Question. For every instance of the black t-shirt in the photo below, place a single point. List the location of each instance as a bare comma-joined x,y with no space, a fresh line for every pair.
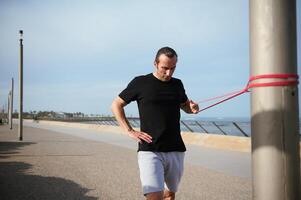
159,109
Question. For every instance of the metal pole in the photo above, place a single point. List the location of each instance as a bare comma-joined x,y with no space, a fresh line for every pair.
186,126
11,103
221,130
8,106
202,127
275,114
21,88
240,129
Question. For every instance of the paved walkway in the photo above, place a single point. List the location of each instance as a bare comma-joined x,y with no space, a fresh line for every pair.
64,163
228,162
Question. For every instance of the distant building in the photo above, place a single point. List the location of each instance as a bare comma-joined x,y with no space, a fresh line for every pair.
78,115
60,115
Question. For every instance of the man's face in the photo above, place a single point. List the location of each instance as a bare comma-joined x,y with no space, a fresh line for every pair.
165,67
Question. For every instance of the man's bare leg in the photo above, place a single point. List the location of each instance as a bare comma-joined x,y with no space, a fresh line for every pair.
169,195
155,196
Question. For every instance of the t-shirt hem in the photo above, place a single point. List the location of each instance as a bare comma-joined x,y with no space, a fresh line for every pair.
162,150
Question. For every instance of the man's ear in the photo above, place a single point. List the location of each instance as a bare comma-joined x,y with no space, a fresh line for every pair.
156,64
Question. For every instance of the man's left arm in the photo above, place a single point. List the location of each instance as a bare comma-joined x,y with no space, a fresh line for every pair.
190,107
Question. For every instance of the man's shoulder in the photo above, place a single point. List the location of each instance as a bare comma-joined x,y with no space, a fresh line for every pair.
177,80
142,77
139,81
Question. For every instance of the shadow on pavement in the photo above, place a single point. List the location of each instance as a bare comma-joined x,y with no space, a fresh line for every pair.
15,183
7,148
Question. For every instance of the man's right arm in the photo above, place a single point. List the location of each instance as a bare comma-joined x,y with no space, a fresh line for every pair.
118,111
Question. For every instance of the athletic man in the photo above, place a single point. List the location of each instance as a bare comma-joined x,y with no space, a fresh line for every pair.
161,149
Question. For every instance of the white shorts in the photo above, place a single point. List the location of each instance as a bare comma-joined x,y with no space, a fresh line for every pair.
159,169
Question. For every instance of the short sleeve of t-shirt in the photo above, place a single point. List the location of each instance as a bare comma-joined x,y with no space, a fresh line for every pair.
184,97
130,93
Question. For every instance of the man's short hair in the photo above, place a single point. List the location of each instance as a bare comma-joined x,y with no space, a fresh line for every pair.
169,52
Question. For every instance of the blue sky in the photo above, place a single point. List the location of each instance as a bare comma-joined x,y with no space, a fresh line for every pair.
78,55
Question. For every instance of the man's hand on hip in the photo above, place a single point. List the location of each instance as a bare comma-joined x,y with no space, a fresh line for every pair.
140,136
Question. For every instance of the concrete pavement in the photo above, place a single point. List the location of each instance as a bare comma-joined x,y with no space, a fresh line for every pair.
229,162
63,163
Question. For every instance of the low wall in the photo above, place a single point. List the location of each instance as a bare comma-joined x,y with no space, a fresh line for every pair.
232,143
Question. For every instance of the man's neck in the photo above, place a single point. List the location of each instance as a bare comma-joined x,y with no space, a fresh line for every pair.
159,78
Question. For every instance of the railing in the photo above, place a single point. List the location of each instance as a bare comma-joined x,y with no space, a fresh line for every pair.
207,127
242,128
217,127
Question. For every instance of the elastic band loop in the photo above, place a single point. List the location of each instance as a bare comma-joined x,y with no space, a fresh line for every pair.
254,85
252,78
278,83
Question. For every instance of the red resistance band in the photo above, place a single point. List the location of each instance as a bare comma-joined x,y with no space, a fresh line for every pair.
291,80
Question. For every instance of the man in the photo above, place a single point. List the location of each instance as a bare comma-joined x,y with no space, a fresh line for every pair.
161,149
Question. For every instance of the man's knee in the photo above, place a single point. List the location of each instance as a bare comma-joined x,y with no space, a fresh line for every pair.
169,195
154,196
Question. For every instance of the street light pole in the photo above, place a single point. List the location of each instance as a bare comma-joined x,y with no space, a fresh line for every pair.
21,88
11,103
275,110
8,108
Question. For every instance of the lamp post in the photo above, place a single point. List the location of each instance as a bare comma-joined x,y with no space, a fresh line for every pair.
21,87
11,103
275,114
